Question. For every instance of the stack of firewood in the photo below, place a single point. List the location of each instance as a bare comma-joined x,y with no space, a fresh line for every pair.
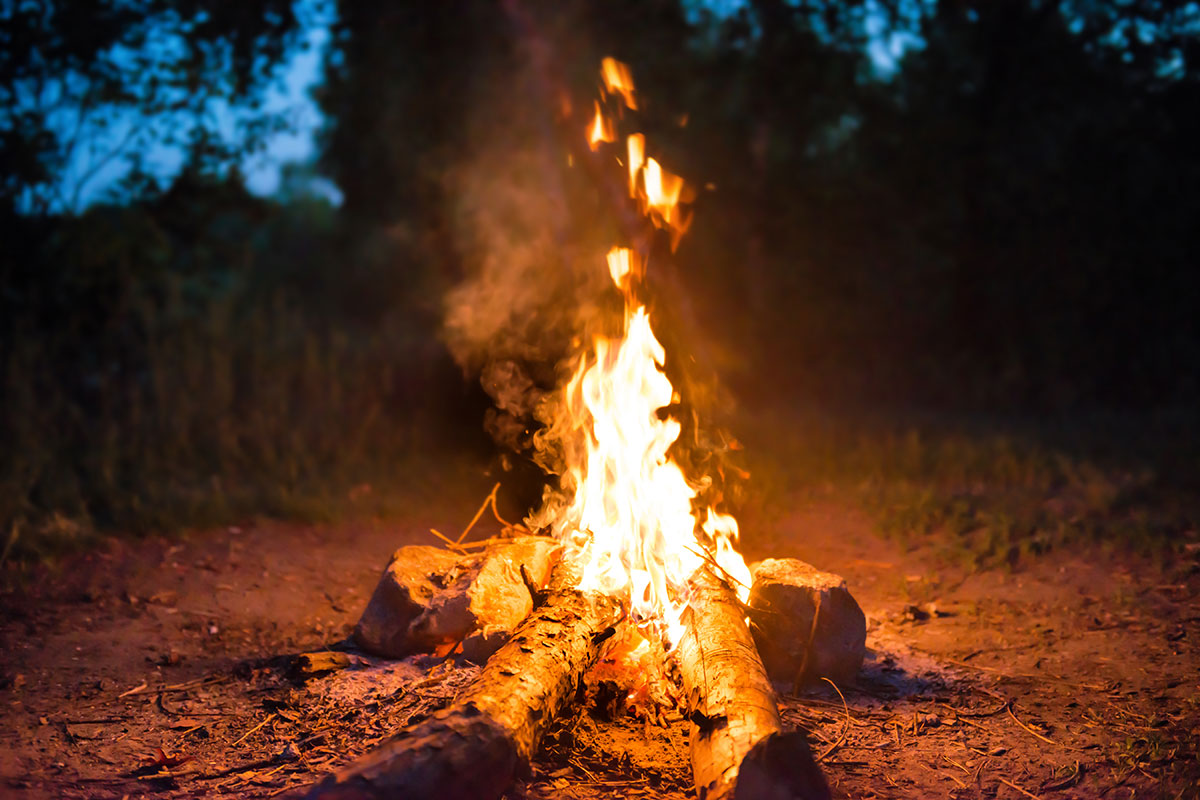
513,607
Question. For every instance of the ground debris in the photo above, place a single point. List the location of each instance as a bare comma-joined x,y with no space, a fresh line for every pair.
1121,724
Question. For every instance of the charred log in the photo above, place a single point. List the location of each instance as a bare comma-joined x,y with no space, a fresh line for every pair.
738,746
476,748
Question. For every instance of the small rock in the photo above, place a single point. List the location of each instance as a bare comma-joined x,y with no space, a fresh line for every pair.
289,753
914,613
786,597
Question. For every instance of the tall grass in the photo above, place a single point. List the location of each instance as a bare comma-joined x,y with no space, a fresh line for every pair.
219,415
153,382
993,491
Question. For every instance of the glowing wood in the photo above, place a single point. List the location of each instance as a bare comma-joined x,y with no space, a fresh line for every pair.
475,748
738,746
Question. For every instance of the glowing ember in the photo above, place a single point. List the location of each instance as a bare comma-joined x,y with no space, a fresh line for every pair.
601,130
630,518
635,145
618,81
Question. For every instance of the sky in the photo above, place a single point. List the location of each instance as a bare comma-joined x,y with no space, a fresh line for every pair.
288,95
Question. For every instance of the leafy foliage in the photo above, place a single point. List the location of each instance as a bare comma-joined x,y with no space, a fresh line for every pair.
71,73
181,373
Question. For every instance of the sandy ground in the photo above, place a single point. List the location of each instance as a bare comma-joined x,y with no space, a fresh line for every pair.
160,668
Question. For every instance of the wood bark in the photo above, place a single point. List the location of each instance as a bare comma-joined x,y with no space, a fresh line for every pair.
738,746
475,748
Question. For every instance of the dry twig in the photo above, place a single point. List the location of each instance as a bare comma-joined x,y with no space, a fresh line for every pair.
144,688
845,726
955,763
246,735
490,500
711,559
1064,783
1009,783
1045,676
453,545
1029,729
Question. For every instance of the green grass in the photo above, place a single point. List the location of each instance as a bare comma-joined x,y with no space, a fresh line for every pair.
215,415
994,492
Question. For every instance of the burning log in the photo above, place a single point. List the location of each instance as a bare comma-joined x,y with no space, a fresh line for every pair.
738,746
475,748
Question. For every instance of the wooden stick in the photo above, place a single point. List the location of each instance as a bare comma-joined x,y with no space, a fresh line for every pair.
738,746
475,748
491,498
1019,789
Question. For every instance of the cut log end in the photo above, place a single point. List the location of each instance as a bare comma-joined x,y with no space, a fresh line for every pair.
806,623
781,767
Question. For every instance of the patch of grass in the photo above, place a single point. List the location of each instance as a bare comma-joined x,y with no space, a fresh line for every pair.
209,415
221,419
205,356
994,492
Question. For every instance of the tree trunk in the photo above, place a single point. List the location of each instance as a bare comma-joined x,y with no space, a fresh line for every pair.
739,749
475,748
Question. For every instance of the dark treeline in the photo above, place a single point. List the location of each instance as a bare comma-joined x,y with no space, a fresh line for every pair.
1005,223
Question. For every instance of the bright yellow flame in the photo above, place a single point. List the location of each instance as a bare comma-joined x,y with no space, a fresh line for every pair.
635,146
600,130
630,519
617,80
632,505
620,264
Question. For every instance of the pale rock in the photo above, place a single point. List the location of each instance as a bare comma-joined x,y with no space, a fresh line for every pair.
412,578
786,596
424,601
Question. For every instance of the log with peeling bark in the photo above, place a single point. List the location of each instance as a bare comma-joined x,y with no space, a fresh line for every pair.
475,748
738,746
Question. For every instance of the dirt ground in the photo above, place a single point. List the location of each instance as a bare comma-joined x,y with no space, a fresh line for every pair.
162,668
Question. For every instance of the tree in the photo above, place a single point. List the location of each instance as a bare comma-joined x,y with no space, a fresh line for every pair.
119,77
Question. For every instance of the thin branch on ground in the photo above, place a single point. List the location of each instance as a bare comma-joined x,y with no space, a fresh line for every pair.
246,735
1028,794
845,726
1031,730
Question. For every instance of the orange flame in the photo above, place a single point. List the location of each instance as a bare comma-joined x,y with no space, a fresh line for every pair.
620,264
601,130
662,193
635,146
617,80
630,518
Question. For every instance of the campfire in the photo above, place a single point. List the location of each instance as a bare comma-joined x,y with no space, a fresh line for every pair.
624,588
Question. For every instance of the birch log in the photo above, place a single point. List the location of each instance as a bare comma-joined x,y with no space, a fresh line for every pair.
738,746
474,749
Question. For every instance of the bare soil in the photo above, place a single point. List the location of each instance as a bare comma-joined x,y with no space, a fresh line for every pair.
163,668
